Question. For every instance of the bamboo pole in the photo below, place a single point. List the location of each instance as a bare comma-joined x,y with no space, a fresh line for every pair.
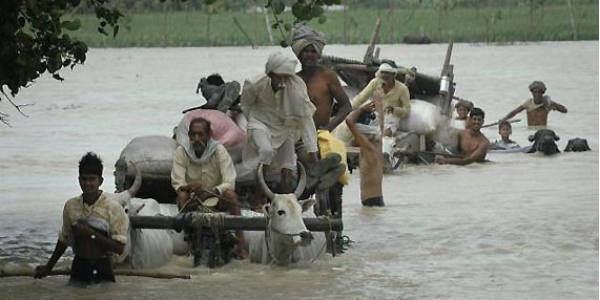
496,123
239,26
117,272
268,23
573,27
368,58
229,222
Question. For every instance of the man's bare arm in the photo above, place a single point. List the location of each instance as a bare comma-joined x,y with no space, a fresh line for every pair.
351,122
335,87
513,113
477,156
43,270
559,107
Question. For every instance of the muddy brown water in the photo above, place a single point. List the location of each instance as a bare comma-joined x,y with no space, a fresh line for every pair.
521,227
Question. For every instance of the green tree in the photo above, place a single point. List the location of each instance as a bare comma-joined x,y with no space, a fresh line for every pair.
35,38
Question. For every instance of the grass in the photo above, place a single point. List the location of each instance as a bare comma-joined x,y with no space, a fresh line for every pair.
497,25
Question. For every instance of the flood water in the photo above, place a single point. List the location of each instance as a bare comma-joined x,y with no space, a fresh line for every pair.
521,227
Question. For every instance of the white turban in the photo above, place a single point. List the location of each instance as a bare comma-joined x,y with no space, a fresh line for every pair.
280,64
385,67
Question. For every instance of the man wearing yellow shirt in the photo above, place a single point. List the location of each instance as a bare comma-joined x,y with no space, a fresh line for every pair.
94,225
394,94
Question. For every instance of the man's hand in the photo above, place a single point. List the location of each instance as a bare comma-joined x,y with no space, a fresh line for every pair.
195,187
82,229
440,159
41,271
389,109
368,107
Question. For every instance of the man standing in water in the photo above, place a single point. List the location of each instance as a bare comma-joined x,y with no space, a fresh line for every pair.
94,225
322,83
202,168
537,107
473,144
370,167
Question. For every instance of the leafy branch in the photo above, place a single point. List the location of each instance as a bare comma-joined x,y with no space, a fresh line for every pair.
35,36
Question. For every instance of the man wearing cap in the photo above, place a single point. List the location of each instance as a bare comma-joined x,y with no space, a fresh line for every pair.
322,83
384,87
537,107
279,112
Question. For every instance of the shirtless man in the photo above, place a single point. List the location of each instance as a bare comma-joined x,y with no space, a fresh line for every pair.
322,83
370,159
537,107
473,144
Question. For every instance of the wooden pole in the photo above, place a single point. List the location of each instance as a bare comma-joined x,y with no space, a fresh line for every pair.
496,123
268,23
368,58
239,26
118,272
573,27
229,222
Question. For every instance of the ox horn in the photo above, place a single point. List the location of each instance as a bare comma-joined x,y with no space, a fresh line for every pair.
302,182
263,184
137,183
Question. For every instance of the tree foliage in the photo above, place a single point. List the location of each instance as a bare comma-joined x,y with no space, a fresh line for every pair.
35,38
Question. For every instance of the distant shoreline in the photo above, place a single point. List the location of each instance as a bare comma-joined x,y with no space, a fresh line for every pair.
498,25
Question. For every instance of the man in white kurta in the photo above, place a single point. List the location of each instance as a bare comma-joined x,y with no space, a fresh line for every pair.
279,113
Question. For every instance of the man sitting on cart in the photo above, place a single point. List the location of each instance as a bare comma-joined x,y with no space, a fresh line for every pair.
279,112
203,175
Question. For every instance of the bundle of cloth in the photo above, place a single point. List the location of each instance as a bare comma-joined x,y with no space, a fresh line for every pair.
219,95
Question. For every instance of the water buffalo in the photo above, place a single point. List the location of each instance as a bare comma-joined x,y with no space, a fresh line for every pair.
286,241
577,145
544,140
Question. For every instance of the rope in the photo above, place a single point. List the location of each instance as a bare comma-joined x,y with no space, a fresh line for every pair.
206,217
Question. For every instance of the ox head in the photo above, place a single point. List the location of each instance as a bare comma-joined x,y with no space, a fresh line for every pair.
544,140
124,197
577,145
284,212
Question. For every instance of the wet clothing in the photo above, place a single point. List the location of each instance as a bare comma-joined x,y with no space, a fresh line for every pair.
375,201
214,172
502,145
530,105
105,215
398,97
88,271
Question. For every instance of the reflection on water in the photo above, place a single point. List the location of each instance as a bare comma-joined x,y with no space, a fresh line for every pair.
522,227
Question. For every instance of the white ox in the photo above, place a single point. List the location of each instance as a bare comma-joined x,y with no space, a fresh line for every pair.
147,248
286,241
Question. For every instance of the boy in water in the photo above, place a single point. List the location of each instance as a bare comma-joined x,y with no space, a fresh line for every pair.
94,225
505,143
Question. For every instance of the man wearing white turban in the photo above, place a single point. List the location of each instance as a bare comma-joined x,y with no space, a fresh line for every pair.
279,113
384,87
